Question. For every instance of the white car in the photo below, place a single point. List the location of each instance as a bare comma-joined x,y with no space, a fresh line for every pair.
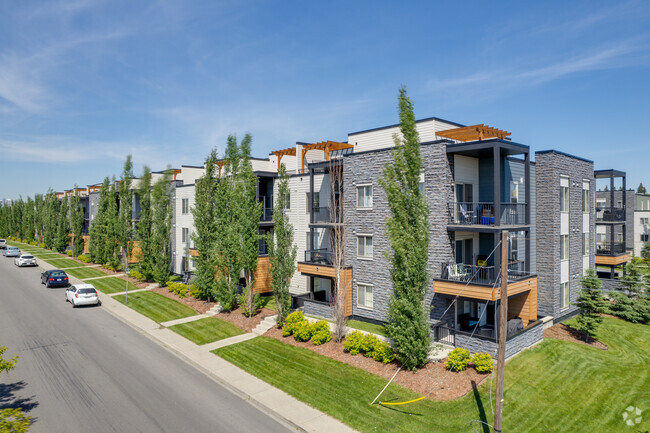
3,243
82,294
25,260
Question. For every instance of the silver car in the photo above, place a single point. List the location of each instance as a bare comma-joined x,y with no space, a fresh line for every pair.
25,260
3,244
11,252
82,294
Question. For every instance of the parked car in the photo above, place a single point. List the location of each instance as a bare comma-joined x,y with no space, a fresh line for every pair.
11,252
25,260
3,244
82,294
54,277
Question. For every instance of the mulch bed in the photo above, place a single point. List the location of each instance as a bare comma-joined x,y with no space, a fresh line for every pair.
198,305
434,380
237,318
564,332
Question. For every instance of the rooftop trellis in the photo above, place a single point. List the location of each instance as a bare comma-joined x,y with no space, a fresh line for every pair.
473,133
325,146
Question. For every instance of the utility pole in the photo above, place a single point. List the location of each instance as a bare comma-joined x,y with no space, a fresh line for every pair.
503,331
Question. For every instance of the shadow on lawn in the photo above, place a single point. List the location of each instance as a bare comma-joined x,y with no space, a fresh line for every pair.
481,409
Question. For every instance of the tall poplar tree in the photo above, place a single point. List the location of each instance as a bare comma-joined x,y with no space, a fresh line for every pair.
205,228
76,224
63,227
249,212
161,227
145,226
99,226
282,250
50,215
408,231
112,254
29,215
124,226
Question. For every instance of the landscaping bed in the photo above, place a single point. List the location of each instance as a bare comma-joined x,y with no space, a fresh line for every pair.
564,332
237,318
433,378
198,305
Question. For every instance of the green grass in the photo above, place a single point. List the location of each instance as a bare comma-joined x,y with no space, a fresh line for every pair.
63,263
206,330
156,307
111,285
368,327
82,273
557,386
268,302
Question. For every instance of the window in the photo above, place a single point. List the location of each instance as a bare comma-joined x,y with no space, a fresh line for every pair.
645,221
364,246
514,192
287,203
564,295
186,205
364,197
421,183
315,204
564,247
619,237
564,195
585,244
585,200
185,235
645,238
313,243
364,295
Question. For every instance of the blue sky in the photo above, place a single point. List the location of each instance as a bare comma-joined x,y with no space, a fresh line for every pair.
85,82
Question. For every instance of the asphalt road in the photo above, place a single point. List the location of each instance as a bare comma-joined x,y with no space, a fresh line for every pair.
83,370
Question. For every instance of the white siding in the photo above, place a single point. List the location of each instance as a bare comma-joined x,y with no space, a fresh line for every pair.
466,171
182,221
189,175
640,229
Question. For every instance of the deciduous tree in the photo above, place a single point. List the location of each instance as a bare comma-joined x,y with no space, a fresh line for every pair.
161,227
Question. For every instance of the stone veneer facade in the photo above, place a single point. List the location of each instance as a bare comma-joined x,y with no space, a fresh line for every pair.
367,168
549,167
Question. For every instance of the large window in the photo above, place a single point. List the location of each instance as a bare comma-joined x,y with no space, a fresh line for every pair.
186,205
564,247
585,200
514,192
364,295
364,246
564,295
287,203
364,197
185,235
315,203
564,195
585,244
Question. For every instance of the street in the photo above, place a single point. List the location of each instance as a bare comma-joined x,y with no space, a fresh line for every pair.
83,370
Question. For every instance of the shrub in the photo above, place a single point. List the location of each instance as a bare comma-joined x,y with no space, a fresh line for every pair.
321,333
383,352
33,243
257,303
41,245
69,253
136,275
482,362
84,259
303,330
352,342
179,288
290,322
25,241
195,292
368,344
458,359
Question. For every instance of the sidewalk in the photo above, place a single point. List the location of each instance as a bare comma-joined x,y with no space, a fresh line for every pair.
292,412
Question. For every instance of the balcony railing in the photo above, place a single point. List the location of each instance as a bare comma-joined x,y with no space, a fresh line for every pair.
321,256
610,248
610,214
482,274
267,214
483,213
323,214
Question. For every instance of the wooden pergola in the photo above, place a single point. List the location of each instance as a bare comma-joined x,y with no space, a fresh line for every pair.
325,146
474,133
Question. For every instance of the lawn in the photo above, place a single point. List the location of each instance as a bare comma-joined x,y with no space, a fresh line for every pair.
156,307
557,386
268,302
206,330
63,263
86,273
368,327
111,285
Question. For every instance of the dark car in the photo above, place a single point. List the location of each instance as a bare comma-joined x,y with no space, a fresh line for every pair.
54,277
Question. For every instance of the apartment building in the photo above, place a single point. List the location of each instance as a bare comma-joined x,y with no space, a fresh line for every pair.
641,234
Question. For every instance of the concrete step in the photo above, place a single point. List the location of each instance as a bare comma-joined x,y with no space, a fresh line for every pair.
265,325
214,310
439,351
